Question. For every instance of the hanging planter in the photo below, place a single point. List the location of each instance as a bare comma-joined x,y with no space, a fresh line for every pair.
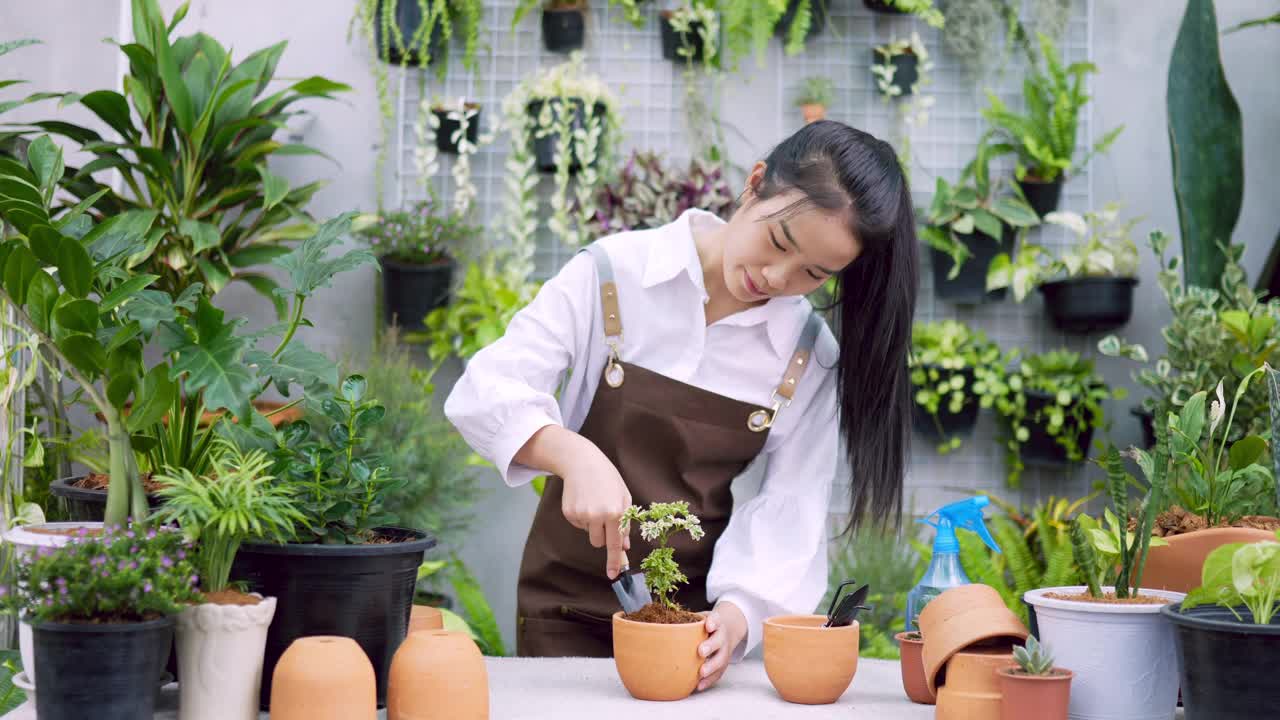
817,18
449,123
946,424
408,19
1043,197
969,286
673,41
1088,305
564,26
546,144
1042,448
884,7
896,66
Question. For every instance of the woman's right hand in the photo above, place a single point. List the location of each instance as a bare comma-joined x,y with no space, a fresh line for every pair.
595,498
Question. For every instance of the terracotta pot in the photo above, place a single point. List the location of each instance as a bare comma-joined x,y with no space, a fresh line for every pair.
656,661
970,689
912,664
807,663
813,113
425,617
1044,697
438,675
220,653
324,677
961,618
1177,565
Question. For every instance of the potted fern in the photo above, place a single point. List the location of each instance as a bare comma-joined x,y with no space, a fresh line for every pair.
1034,687
813,97
656,648
1044,139
1089,287
955,371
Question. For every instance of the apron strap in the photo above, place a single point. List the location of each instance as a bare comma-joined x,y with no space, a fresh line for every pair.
614,374
762,420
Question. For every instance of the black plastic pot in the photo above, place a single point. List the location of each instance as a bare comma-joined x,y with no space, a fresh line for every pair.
563,30
449,126
970,286
100,671
817,18
906,69
673,41
409,18
947,424
1089,305
1041,448
364,592
87,505
1147,420
1043,197
1227,666
882,6
411,291
545,147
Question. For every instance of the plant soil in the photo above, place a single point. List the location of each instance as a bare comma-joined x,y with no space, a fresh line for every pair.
101,481
913,636
1177,521
69,532
1023,673
663,615
1110,599
231,597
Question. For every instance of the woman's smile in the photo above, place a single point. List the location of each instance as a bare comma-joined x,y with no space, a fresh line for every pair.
752,288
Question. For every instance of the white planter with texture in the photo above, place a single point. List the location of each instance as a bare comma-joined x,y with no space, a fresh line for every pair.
220,650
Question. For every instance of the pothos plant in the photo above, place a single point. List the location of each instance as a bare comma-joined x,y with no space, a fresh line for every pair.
657,523
579,111
1074,393
1241,575
1104,248
953,366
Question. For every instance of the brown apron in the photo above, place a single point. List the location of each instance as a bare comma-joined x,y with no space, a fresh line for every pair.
670,441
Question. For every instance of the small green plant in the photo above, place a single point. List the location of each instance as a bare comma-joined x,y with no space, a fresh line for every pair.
1104,249
420,235
953,366
1033,658
885,70
1241,574
750,24
816,90
235,502
924,9
657,523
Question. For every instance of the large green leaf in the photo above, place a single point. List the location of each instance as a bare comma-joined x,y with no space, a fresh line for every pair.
46,161
121,235
75,269
308,267
203,235
44,242
149,308
113,109
175,88
274,188
19,268
152,400
84,351
1206,144
126,290
211,358
296,366
42,297
78,316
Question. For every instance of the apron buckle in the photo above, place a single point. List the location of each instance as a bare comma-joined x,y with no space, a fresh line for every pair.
762,420
613,372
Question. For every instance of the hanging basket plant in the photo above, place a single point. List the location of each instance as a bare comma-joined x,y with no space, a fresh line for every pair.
564,22
690,34
901,67
955,371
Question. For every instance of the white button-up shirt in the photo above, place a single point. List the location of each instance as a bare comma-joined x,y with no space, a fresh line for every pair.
772,557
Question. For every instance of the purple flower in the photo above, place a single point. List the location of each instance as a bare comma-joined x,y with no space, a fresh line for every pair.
146,587
182,555
195,579
165,561
62,591
129,534
133,565
60,582
4,591
133,550
99,560
151,534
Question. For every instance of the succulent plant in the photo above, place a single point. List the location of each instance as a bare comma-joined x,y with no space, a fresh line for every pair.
647,194
1033,658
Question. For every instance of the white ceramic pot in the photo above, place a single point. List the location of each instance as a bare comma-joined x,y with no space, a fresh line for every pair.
1123,656
25,541
220,651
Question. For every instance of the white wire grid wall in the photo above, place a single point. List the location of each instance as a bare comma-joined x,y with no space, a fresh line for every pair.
651,93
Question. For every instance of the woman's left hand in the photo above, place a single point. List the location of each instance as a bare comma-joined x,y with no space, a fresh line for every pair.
727,627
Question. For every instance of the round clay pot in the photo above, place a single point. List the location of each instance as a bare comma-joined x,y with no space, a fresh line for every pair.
809,664
1043,697
324,677
970,689
220,652
438,675
1177,566
657,661
961,618
813,113
425,617
912,664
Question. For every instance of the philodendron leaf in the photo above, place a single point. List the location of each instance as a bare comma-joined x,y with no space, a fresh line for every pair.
296,365
211,358
1246,451
203,235
309,267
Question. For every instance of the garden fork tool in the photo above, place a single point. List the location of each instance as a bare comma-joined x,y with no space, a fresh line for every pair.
846,610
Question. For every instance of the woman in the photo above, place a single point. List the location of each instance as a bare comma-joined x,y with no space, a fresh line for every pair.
682,353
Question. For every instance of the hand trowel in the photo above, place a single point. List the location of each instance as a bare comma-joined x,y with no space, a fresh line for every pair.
630,589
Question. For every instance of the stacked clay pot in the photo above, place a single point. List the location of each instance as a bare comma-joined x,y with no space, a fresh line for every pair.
969,633
911,651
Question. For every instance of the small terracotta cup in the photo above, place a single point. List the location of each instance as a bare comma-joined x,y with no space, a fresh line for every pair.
962,618
1044,697
813,113
807,663
438,675
912,664
425,617
324,677
971,688
657,661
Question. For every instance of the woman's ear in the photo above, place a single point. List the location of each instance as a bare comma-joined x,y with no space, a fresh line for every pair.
754,178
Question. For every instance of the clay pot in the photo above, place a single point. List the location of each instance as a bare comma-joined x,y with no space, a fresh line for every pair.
912,664
970,688
807,663
438,675
657,661
220,652
425,617
324,677
1044,697
962,618
813,113
1177,565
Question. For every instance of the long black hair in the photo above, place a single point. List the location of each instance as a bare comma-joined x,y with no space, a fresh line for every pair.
836,167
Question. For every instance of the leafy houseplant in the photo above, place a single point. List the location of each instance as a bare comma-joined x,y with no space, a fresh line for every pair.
814,97
901,66
969,224
646,194
691,34
974,31
924,9
1034,687
563,22
196,134
111,594
657,523
1089,288
1044,139
749,24
955,371
1052,404
563,120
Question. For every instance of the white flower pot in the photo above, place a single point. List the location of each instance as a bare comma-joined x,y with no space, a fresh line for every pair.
1123,656
220,650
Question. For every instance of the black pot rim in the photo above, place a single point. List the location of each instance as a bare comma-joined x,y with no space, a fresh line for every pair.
1047,183
62,487
421,543
1065,282
469,105
1195,619
1139,411
65,627
580,10
388,261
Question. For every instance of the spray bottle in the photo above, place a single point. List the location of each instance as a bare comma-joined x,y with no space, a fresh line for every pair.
944,570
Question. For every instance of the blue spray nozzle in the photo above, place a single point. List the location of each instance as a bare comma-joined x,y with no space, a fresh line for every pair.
965,513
